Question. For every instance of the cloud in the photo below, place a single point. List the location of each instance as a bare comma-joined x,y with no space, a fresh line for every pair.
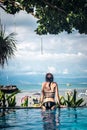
51,69
19,19
31,63
60,54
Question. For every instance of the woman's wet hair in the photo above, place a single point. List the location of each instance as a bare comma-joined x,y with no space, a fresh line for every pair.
49,77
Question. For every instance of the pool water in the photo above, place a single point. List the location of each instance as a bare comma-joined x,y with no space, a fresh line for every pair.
36,119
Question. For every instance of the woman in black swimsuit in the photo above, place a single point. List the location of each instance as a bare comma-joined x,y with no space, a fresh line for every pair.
49,93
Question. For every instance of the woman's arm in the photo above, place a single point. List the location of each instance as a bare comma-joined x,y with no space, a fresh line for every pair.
42,93
58,98
57,94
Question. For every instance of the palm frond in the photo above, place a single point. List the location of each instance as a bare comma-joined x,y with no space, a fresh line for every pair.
11,95
7,45
78,103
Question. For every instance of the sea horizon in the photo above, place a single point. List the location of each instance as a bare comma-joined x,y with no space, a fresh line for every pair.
34,82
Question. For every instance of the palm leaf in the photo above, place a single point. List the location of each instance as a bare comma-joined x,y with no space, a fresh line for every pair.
11,95
74,96
7,45
62,100
79,102
72,101
12,102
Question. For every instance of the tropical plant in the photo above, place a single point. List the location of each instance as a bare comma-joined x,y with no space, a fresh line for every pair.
11,99
2,98
53,16
8,100
7,45
72,100
62,100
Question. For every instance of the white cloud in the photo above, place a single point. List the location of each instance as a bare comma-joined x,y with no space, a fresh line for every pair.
62,54
51,69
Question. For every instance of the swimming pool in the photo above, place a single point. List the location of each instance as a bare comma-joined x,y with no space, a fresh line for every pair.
36,119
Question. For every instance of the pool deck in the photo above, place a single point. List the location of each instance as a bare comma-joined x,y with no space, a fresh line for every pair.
19,107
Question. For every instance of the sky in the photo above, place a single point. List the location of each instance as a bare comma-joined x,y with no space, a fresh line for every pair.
64,54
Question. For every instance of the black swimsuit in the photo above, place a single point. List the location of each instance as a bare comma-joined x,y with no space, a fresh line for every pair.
49,94
49,104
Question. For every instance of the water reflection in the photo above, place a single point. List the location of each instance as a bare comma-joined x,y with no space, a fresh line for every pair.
68,118
59,118
6,121
50,119
72,114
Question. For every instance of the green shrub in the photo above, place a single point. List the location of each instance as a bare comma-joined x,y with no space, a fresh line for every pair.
71,100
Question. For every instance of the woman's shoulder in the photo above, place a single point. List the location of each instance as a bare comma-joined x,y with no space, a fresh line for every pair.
54,83
44,83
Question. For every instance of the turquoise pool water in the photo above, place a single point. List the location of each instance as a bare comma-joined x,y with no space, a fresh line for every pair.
36,119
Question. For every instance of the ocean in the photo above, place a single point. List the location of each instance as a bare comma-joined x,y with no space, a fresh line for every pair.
33,82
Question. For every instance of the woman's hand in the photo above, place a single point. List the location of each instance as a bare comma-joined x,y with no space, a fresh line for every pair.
62,106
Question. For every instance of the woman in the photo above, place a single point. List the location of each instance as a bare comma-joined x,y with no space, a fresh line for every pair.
49,93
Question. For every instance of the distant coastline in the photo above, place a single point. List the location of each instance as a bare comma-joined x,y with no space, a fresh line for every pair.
24,81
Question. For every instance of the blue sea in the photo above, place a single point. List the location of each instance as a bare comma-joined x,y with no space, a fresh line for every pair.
33,82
